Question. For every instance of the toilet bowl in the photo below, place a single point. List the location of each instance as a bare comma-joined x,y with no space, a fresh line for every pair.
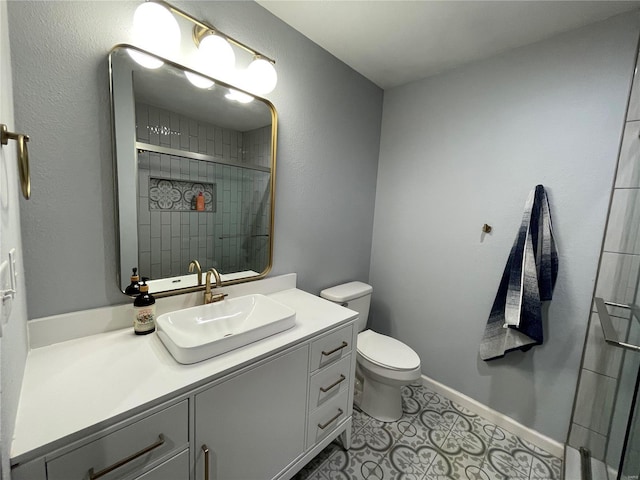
383,364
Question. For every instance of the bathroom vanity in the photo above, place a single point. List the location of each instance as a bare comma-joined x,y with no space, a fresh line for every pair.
116,405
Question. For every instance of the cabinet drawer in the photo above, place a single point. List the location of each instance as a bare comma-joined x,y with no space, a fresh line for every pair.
325,419
329,383
331,348
171,424
176,468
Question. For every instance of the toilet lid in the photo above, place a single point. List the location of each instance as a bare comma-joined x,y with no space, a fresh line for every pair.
386,351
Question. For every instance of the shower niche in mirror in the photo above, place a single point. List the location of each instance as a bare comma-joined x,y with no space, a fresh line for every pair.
175,142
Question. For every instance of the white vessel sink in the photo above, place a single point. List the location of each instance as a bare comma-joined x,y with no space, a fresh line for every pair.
195,334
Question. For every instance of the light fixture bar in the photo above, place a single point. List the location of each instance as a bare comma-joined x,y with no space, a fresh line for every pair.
200,28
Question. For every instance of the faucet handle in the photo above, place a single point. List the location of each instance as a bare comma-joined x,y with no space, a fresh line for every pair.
217,297
208,296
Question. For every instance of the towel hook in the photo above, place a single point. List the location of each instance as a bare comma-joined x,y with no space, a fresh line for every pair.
23,157
486,228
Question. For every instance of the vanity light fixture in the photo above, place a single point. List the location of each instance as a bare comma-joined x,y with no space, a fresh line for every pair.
261,75
155,30
215,56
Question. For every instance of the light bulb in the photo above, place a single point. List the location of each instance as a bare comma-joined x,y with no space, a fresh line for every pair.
216,56
156,30
238,96
261,76
198,80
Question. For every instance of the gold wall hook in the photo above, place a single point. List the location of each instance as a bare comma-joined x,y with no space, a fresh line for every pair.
486,228
23,157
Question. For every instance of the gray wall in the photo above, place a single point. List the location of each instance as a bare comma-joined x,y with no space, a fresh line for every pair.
465,148
328,143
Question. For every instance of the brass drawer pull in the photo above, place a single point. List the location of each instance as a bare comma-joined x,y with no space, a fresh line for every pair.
334,384
124,461
205,449
323,426
344,345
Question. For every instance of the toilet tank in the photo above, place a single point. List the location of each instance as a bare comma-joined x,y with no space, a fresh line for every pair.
353,295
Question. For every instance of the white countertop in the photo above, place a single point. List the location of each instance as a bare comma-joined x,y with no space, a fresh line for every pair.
72,386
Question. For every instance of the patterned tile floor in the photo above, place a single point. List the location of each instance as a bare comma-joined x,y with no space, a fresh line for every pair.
434,440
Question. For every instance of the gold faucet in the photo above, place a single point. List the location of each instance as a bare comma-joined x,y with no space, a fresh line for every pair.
196,264
208,296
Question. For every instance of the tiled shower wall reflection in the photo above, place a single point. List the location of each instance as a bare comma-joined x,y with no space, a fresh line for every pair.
234,236
600,399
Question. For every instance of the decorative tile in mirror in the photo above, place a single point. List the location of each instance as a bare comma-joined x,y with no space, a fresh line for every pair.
179,196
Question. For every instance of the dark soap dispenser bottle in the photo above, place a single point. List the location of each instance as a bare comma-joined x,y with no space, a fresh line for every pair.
144,311
133,289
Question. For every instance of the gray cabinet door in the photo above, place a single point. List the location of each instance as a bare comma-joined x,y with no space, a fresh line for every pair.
254,423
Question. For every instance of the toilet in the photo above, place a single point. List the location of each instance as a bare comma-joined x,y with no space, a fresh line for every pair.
383,364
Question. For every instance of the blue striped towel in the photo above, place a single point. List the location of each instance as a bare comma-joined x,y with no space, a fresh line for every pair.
529,277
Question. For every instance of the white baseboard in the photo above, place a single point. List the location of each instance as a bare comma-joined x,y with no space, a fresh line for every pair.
549,445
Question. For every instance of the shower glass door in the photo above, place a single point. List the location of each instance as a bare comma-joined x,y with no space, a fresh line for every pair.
622,448
629,460
604,436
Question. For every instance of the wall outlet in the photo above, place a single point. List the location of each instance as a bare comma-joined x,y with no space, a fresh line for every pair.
5,286
5,278
8,275
13,271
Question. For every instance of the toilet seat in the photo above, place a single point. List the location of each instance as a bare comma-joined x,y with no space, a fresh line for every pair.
386,352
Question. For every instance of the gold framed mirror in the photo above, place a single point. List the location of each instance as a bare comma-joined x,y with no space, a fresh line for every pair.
194,175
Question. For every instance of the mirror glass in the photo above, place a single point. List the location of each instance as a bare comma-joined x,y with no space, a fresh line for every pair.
194,176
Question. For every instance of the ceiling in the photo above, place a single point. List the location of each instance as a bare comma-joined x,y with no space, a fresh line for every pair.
397,42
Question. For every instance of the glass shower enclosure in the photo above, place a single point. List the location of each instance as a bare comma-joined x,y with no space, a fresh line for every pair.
604,435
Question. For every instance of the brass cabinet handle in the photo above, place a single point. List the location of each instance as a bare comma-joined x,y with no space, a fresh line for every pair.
124,461
329,422
23,157
344,345
334,384
205,449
